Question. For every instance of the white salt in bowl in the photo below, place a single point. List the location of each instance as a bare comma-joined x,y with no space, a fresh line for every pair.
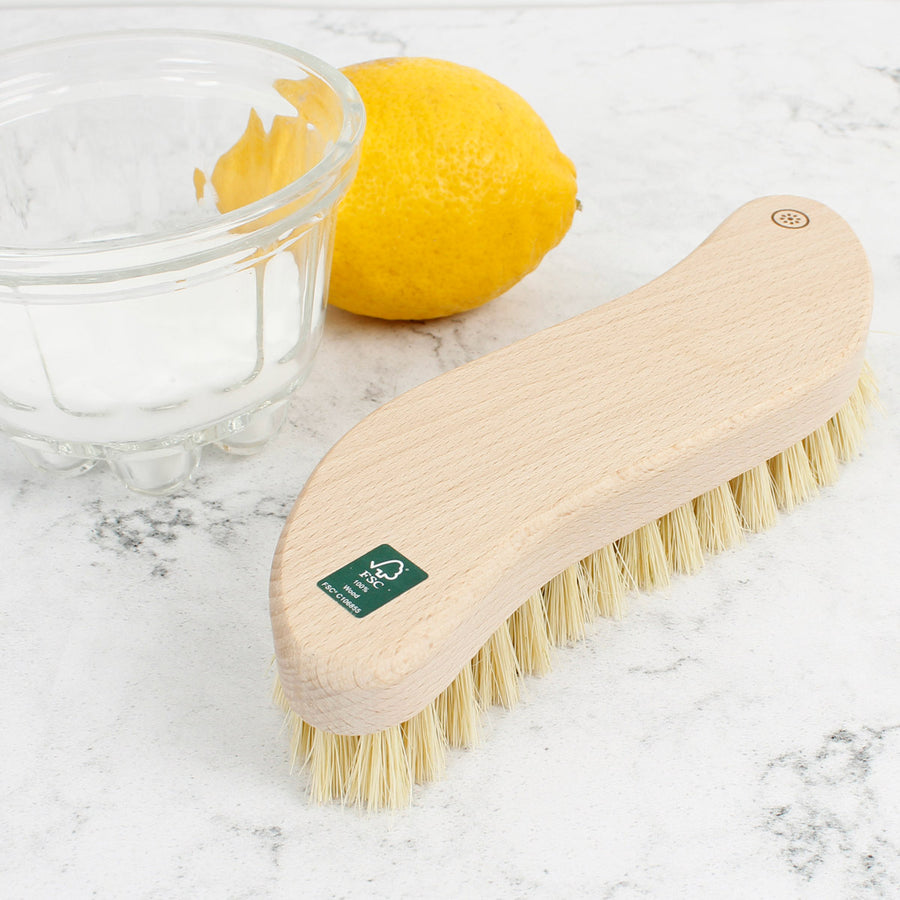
138,320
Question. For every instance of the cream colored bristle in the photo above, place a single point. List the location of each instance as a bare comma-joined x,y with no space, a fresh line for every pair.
380,775
607,584
279,697
845,433
426,745
792,477
458,710
564,599
301,741
530,635
304,741
588,589
718,523
755,498
330,761
496,670
863,397
867,386
481,672
860,409
822,458
681,539
845,428
321,766
643,557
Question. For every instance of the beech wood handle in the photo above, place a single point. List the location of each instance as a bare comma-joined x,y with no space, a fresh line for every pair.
497,475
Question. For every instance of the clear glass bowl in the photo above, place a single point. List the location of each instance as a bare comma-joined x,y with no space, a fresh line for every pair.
140,320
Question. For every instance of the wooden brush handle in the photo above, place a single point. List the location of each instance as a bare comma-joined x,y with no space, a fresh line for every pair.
499,474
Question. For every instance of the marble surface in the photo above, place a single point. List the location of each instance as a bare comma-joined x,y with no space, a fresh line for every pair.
737,735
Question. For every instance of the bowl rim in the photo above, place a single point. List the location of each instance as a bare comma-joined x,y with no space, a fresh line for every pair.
231,223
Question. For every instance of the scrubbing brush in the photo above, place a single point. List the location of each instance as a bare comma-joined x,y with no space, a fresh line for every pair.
445,544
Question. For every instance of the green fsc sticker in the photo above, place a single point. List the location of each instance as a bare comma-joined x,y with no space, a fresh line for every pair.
372,580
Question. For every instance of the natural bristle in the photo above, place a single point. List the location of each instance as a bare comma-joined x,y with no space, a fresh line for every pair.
718,521
754,495
458,710
643,558
302,734
846,432
607,583
496,670
378,770
681,539
279,698
792,477
867,387
822,457
567,606
530,635
426,745
330,762
380,774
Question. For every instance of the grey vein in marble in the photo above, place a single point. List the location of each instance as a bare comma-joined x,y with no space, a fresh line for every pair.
830,820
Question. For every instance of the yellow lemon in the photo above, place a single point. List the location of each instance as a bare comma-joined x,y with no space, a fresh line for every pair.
461,191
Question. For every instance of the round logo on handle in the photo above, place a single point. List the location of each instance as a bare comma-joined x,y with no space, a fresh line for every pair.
790,218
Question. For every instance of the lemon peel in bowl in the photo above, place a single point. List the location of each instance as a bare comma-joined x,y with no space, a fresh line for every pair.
258,164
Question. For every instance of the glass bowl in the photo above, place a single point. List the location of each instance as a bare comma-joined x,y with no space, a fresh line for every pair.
166,224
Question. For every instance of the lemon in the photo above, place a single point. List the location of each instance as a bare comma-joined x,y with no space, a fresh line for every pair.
461,191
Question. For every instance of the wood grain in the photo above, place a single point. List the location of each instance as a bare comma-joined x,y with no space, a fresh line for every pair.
499,474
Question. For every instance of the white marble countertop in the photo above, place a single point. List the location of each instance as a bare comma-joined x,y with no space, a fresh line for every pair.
737,735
